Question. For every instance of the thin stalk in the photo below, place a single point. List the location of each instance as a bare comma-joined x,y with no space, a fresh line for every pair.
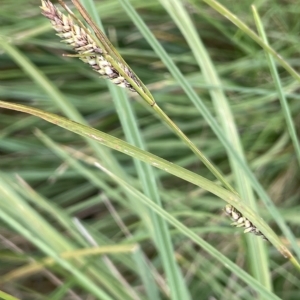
102,47
186,86
241,25
255,248
156,225
121,146
280,91
193,147
141,89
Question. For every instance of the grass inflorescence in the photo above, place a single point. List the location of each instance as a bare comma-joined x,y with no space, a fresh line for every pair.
241,221
83,43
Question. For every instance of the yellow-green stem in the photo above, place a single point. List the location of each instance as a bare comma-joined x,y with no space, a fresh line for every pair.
193,147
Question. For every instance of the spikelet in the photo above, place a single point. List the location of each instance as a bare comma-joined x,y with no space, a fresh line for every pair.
82,42
241,221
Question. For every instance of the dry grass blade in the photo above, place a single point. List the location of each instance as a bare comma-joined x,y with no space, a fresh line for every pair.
83,43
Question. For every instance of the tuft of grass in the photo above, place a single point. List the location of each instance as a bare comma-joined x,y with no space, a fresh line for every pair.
73,210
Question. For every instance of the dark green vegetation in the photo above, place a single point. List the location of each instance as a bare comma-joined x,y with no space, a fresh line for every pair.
44,185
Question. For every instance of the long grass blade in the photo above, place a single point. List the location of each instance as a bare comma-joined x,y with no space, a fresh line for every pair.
147,178
256,251
157,162
194,237
186,86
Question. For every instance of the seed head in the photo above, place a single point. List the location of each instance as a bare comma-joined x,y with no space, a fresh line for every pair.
83,43
241,221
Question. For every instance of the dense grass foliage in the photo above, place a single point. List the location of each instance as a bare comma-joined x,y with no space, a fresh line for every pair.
82,221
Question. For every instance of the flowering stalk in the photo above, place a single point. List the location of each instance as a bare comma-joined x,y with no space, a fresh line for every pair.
101,55
88,51
97,51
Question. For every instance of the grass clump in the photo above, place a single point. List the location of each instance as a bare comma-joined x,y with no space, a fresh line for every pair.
81,221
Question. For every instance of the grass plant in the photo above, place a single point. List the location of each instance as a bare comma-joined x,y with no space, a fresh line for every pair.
105,202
